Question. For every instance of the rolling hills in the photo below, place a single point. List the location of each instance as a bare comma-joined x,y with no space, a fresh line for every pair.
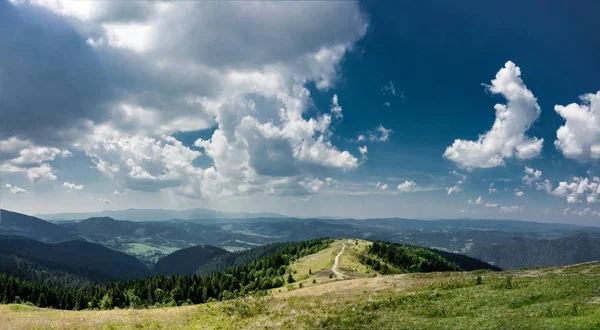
89,262
558,298
568,250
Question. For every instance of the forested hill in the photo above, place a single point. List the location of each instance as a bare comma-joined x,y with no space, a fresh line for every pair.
187,261
24,258
253,278
569,250
12,223
409,258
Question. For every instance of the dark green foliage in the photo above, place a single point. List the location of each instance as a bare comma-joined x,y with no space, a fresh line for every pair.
12,223
230,260
187,261
76,260
252,278
408,258
465,263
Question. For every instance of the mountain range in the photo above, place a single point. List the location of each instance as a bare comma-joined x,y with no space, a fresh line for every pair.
159,215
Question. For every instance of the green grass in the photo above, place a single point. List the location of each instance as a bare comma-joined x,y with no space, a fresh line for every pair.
528,303
546,298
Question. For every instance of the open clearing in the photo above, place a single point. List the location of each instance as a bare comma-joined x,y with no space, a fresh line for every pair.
558,298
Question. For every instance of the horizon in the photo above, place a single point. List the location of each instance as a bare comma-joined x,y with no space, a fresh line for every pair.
348,109
283,217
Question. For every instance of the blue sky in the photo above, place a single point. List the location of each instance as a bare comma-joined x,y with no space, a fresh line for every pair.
346,109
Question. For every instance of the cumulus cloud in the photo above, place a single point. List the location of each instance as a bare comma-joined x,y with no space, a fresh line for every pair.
42,172
546,186
506,138
580,187
72,186
531,175
15,189
382,186
454,189
491,188
519,193
491,205
104,201
336,109
477,201
579,137
139,78
510,209
407,186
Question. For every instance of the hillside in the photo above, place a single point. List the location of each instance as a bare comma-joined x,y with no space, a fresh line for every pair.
12,223
86,261
556,298
569,250
187,261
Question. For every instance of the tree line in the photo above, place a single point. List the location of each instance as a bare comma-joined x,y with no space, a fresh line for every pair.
255,277
407,258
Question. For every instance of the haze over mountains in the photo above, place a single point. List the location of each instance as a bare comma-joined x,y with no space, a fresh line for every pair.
160,215
150,241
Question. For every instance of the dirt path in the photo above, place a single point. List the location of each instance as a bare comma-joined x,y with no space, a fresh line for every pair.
335,264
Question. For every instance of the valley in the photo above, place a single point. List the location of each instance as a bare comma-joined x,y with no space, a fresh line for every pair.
150,241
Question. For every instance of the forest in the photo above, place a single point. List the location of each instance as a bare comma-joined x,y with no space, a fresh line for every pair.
252,278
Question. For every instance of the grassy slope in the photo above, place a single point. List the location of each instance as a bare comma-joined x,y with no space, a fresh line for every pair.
561,297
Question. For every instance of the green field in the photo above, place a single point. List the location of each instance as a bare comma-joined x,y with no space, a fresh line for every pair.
557,298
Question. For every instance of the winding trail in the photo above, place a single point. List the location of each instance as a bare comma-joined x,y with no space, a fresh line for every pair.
335,264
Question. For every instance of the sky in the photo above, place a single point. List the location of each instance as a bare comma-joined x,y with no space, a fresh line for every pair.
353,109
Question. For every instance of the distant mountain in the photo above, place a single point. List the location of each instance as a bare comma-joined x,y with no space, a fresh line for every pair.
187,261
465,263
88,260
582,247
12,223
160,215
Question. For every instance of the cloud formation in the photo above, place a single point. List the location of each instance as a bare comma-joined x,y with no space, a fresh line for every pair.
129,77
506,138
407,186
72,186
15,189
579,137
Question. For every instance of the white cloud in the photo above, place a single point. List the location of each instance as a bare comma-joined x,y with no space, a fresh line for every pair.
491,188
455,189
510,209
240,73
15,189
578,188
531,175
477,201
363,153
382,134
579,137
72,186
407,186
545,186
382,186
42,172
336,109
313,185
519,193
387,104
104,201
506,138
491,205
